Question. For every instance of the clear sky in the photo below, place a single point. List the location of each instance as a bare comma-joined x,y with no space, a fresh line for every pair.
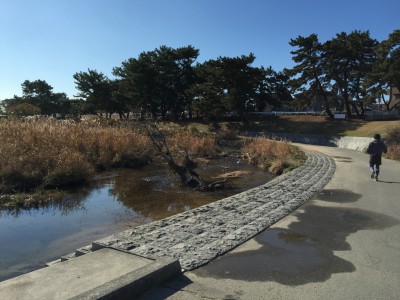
53,39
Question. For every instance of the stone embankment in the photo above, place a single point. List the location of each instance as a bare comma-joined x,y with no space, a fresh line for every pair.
199,235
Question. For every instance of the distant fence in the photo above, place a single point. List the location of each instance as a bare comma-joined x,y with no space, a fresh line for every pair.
282,113
369,115
381,115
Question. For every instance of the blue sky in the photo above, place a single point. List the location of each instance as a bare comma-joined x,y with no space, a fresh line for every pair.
53,39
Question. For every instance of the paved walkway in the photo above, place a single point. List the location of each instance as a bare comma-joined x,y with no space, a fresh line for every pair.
197,236
342,244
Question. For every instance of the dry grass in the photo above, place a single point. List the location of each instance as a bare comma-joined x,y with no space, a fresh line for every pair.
393,140
393,152
54,153
275,156
188,141
317,125
195,146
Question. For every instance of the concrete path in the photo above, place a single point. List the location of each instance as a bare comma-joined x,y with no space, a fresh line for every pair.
343,244
103,274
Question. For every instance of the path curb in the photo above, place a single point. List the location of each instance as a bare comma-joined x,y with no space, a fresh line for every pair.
135,282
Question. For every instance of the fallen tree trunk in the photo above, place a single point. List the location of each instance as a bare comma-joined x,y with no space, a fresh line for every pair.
188,176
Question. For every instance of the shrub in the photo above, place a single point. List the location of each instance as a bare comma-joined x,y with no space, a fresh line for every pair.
23,109
71,167
393,141
393,152
228,134
260,150
393,136
270,154
278,167
193,145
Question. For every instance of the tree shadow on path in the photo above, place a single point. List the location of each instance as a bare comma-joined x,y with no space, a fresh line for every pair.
304,252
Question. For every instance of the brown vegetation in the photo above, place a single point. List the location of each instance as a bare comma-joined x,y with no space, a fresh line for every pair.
53,153
181,142
48,153
44,152
275,156
393,141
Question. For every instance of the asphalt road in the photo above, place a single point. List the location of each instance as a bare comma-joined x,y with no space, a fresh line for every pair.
343,244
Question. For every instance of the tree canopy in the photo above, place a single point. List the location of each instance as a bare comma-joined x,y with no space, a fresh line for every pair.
385,74
346,72
308,76
335,71
37,98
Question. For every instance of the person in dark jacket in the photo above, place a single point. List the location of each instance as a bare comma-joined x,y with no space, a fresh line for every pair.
375,150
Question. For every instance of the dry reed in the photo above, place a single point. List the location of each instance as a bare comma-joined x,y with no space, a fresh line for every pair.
270,154
393,152
51,153
393,140
193,145
54,153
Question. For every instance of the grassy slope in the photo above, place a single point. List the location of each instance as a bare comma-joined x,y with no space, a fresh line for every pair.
316,125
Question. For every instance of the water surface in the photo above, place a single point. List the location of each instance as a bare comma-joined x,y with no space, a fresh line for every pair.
111,202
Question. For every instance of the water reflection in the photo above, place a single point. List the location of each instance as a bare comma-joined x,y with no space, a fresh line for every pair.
111,202
64,206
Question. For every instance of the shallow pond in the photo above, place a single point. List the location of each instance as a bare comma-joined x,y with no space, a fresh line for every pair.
111,202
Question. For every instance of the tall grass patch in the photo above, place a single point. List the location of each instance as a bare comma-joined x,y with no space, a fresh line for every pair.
188,142
192,144
51,153
393,141
275,156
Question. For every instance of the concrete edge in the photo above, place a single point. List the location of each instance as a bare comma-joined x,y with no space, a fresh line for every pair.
135,282
348,142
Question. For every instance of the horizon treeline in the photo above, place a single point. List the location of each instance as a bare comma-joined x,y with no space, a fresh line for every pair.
345,73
